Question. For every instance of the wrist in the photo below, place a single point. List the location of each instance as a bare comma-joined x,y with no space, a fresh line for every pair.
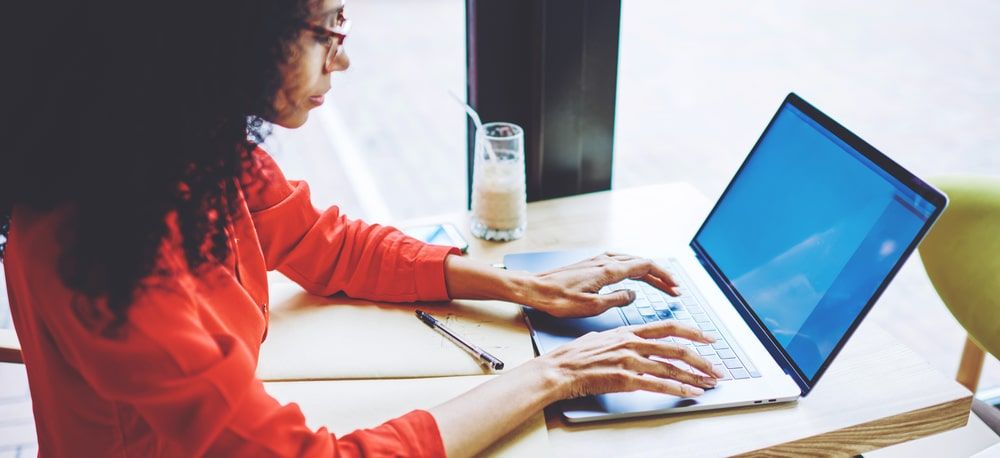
552,382
469,279
520,287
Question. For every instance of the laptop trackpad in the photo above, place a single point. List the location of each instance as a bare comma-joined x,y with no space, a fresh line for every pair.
551,332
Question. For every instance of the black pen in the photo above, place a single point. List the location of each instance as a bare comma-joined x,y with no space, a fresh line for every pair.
436,325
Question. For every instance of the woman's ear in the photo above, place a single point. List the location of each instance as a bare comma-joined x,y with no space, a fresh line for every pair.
294,52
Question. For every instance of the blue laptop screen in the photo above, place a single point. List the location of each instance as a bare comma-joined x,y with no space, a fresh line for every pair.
807,232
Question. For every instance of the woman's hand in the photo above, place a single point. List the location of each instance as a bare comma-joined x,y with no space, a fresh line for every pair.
629,359
573,290
623,359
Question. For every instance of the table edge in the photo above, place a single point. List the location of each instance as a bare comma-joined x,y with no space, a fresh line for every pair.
877,434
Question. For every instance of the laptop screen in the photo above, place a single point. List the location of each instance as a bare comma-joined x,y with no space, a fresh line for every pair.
809,231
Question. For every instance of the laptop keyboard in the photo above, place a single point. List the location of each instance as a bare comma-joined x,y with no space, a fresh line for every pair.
652,304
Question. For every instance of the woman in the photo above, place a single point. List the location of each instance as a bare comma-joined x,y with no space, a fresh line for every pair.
140,218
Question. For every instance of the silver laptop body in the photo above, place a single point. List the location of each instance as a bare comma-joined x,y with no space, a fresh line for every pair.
843,218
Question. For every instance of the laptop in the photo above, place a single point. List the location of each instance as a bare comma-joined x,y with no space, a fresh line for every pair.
798,248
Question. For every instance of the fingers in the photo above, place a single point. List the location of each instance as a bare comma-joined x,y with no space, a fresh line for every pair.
625,359
574,288
614,299
667,370
669,328
668,286
667,281
659,385
678,352
645,270
648,271
618,256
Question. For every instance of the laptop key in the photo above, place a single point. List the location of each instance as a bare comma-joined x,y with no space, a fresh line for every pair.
713,334
695,309
753,371
732,363
706,326
660,306
722,370
706,351
720,345
714,359
726,353
632,316
740,374
681,315
665,314
646,311
701,318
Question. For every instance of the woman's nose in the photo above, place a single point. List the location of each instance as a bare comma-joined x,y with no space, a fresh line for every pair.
341,61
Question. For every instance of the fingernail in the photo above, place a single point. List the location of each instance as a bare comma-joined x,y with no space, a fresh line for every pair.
631,296
709,381
718,373
709,338
695,391
675,291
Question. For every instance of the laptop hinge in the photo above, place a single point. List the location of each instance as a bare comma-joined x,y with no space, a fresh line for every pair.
765,337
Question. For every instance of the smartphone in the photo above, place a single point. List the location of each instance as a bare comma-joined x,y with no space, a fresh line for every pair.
438,234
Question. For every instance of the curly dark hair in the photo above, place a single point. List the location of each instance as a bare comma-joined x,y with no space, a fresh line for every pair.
126,112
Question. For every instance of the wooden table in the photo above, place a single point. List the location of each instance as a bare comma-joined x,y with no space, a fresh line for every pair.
877,393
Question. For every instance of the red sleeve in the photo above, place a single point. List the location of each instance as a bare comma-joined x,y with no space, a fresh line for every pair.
326,252
198,392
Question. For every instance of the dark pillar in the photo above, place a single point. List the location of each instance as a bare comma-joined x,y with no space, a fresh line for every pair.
550,66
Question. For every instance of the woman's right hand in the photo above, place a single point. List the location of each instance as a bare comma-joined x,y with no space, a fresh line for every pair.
622,359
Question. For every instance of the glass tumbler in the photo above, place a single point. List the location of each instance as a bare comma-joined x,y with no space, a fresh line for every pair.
499,193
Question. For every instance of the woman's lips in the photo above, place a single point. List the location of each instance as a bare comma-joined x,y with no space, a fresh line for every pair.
317,99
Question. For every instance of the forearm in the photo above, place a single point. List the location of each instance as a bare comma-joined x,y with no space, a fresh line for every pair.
498,406
470,279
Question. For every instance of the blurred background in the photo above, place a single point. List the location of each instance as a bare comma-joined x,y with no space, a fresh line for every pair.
697,83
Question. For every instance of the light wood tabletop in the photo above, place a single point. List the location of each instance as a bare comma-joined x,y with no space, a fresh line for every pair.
877,392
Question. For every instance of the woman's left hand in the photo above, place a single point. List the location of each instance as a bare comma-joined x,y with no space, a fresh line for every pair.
572,291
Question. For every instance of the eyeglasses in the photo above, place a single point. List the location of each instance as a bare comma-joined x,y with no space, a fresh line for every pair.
334,36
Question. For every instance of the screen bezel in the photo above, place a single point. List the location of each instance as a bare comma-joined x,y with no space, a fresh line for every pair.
918,186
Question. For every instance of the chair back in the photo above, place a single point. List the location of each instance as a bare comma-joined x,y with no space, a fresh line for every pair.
962,256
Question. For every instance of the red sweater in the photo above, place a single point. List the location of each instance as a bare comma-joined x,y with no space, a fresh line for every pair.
180,380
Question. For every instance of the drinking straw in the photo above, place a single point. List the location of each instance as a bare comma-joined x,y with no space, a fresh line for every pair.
480,132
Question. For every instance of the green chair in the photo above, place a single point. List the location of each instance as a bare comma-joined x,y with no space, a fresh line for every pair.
962,257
